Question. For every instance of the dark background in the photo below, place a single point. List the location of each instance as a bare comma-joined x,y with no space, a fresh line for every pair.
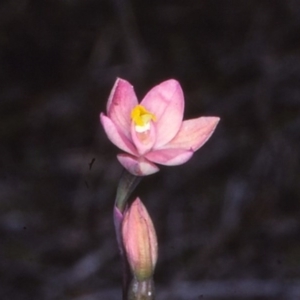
228,221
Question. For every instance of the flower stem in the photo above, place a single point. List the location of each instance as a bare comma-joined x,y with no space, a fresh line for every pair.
141,290
126,186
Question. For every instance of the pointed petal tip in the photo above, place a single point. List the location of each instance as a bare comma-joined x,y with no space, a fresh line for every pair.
215,119
101,116
121,101
122,90
212,122
170,87
194,133
120,80
170,82
137,200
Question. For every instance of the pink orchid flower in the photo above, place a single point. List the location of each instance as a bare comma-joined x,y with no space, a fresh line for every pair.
153,132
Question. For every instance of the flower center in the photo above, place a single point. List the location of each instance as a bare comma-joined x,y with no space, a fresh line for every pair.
141,118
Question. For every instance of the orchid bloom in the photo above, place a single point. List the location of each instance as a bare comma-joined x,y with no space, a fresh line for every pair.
153,132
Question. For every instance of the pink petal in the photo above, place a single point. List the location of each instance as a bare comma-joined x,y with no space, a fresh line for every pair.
137,166
143,141
115,136
169,157
120,103
166,102
194,133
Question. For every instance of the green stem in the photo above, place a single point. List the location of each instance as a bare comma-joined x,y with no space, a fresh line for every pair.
127,184
141,290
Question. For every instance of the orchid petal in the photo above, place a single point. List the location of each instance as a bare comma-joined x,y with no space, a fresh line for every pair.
169,157
194,133
143,141
120,103
166,102
115,136
137,166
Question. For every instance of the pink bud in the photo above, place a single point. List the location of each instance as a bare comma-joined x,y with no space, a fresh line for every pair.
139,239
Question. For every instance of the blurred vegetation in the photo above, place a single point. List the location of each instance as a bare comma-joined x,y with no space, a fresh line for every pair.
232,212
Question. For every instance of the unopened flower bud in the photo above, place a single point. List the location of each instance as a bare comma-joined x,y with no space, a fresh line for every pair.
139,240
